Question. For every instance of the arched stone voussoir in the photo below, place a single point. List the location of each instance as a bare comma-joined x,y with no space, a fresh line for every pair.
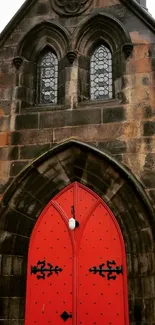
75,161
101,27
62,165
46,33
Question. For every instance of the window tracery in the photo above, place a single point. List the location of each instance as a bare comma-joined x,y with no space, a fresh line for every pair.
101,85
47,78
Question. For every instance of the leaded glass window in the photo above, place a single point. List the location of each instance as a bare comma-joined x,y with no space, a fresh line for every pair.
101,74
48,79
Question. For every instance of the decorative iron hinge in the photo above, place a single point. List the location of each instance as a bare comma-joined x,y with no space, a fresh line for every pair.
50,269
65,316
100,270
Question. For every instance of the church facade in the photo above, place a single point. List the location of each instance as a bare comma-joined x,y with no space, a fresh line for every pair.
77,164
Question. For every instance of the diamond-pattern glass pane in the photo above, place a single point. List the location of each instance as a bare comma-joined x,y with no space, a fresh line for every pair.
101,74
48,79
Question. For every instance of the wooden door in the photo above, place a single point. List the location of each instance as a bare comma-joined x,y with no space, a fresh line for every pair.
76,276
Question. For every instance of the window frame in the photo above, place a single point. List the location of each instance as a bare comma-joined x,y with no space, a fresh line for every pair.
95,48
40,57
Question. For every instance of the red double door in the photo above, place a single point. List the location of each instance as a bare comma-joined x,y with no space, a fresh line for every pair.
76,276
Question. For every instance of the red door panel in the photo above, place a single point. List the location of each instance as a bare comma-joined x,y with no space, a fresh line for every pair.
82,275
65,200
85,203
48,298
101,301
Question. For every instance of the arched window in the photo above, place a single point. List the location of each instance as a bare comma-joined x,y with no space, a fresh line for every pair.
101,74
47,78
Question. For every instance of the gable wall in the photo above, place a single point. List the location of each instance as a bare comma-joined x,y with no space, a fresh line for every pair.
124,127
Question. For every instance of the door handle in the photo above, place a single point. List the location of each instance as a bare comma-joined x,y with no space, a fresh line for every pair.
65,316
73,223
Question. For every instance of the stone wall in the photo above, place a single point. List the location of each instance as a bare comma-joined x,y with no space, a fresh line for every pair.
124,126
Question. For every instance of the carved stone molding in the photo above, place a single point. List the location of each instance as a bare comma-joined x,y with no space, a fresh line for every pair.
17,61
71,55
70,7
127,48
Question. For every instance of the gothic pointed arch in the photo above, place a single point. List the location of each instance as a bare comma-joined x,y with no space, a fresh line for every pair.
101,28
45,35
35,186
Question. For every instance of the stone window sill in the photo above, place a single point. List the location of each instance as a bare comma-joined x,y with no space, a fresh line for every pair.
43,108
100,103
85,105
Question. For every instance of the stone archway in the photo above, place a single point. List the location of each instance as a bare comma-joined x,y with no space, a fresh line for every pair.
44,178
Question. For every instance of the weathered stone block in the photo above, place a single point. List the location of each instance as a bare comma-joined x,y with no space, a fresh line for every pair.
4,123
5,107
70,118
42,9
8,153
7,80
4,310
32,137
5,138
116,114
148,178
139,66
29,152
114,147
7,53
149,128
17,166
27,121
6,265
